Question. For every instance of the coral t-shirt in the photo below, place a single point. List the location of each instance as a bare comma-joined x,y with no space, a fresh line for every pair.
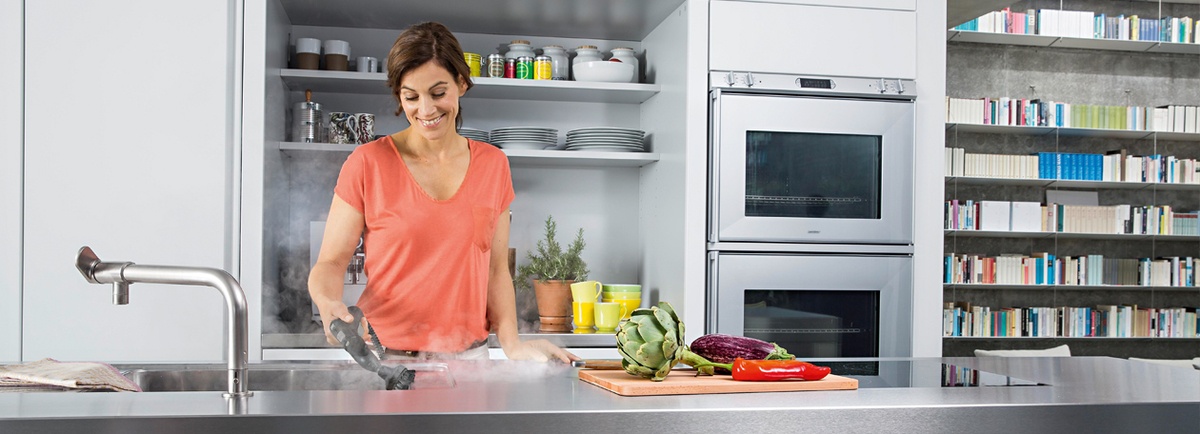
427,261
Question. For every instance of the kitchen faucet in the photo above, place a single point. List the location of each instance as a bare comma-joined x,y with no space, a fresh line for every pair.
122,274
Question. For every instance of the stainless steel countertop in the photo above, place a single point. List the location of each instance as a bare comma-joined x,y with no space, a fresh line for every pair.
565,340
1084,394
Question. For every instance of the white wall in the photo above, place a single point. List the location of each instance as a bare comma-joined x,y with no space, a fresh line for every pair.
929,184
11,30
130,107
673,192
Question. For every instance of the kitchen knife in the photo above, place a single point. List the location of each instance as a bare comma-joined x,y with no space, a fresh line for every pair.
597,364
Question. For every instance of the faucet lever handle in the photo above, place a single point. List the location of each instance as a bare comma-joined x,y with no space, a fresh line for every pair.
86,263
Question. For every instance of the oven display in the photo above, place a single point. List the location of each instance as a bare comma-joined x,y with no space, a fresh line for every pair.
814,83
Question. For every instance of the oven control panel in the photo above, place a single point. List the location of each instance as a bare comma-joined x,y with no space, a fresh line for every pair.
815,85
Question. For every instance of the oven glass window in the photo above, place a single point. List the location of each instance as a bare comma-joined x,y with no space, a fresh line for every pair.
812,175
815,323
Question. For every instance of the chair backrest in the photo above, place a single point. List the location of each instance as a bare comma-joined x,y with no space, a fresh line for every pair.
1059,351
1178,363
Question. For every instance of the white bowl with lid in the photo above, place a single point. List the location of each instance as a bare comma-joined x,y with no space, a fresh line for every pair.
604,71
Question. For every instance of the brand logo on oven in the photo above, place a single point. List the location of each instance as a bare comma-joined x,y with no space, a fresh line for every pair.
814,232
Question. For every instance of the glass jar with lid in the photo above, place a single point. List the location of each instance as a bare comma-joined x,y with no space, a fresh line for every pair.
626,55
519,48
560,68
586,53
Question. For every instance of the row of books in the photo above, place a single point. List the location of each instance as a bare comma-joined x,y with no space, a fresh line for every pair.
1016,216
1045,269
1119,321
993,215
1116,166
1038,113
1086,24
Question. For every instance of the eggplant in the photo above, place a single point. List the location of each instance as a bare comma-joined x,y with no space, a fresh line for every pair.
723,348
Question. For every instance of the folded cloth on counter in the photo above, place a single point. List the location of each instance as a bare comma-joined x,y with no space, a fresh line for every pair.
49,374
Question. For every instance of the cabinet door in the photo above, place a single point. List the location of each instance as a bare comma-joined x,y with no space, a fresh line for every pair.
10,184
128,108
819,40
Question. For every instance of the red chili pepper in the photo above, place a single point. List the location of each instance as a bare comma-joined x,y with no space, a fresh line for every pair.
775,370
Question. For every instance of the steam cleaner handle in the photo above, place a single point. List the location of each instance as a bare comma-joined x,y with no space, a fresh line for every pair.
352,342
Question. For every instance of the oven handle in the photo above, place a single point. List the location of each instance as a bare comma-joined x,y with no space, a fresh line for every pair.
840,249
714,169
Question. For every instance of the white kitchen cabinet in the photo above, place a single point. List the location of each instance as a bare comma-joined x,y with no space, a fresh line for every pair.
11,28
643,215
810,39
131,147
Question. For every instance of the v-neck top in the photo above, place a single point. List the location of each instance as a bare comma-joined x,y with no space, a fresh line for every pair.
427,260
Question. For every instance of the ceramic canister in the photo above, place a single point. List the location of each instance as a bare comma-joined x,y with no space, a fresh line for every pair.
627,55
519,48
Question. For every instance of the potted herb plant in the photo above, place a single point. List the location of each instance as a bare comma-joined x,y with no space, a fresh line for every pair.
551,271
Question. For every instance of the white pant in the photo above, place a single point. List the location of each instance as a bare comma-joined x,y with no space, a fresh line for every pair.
477,353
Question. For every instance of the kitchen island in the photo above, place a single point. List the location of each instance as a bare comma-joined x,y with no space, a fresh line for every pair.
1076,394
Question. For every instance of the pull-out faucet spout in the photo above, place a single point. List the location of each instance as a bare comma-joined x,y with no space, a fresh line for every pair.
122,274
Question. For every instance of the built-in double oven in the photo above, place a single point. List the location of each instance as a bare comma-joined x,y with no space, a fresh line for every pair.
811,212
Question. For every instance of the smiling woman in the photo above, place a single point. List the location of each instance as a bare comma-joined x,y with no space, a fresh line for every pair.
431,207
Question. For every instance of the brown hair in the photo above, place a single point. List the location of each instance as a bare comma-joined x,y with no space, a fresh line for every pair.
422,43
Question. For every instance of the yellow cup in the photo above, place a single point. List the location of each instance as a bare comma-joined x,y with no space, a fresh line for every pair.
475,61
608,315
583,313
585,291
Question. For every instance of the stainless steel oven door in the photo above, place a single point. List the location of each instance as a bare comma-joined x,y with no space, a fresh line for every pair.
815,305
810,169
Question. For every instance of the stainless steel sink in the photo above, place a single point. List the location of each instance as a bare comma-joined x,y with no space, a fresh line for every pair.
278,377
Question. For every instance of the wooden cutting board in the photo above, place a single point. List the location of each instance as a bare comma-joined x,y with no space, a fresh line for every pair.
685,382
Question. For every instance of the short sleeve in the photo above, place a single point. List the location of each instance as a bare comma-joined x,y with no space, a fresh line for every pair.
507,194
351,180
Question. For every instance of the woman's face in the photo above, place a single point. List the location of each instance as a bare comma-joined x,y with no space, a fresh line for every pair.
429,98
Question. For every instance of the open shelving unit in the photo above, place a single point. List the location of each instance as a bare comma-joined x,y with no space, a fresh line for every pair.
1030,66
627,202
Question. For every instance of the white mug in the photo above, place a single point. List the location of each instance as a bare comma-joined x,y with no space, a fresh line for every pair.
367,64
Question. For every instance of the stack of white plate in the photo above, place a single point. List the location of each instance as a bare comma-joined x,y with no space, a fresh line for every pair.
525,137
610,139
474,134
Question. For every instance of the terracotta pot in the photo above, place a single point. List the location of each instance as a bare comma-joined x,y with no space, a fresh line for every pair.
553,297
556,324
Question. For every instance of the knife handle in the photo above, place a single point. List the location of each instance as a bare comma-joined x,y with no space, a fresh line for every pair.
598,364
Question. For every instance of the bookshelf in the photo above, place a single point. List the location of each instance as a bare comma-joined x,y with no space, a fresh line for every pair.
1082,71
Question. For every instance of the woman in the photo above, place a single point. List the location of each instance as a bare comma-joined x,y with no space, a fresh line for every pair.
432,208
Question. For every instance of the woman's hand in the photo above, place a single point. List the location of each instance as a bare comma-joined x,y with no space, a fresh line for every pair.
540,350
331,309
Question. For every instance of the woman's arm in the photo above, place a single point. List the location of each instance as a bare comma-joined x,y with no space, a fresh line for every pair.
326,281
502,305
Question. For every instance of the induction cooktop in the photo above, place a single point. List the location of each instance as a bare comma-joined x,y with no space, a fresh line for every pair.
919,373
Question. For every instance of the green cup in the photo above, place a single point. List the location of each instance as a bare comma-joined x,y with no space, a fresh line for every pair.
622,295
608,315
621,287
585,291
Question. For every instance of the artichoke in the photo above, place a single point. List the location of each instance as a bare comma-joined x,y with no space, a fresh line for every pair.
651,343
